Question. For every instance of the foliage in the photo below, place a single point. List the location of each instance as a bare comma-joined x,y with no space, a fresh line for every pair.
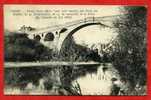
130,59
18,47
74,52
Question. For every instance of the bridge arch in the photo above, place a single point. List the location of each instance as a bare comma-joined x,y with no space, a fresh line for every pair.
69,35
49,36
37,38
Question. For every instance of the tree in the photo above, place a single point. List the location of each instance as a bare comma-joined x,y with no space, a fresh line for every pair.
130,60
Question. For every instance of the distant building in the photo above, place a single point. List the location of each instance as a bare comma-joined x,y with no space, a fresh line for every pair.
25,29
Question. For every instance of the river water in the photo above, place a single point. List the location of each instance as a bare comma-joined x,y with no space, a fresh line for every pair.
99,82
95,80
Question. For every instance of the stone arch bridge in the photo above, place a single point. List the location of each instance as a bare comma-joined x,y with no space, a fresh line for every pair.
54,37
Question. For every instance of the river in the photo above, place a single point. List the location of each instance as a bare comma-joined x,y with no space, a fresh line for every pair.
91,80
99,82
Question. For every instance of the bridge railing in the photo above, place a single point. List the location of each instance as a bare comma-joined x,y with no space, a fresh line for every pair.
69,24
85,20
88,19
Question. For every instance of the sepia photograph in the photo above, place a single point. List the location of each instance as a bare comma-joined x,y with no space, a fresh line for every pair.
75,50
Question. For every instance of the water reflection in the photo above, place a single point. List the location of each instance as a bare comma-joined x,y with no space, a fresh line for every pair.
67,80
98,82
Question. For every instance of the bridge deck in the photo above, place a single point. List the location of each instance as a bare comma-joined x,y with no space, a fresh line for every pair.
47,64
69,24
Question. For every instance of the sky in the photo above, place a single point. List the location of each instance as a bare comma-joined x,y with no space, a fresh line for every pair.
94,35
16,16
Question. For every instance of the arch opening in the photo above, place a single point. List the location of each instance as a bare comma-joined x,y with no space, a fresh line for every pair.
37,38
49,37
74,31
